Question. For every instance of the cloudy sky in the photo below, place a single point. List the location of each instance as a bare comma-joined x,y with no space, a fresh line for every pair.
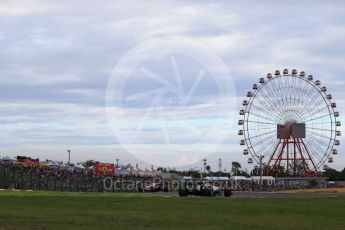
61,64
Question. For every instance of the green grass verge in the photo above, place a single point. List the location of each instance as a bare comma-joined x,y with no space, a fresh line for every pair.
52,210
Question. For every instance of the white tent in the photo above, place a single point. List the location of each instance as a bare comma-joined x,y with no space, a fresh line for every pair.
268,179
240,178
212,178
8,159
187,178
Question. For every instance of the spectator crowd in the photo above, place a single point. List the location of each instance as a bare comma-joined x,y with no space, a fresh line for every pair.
68,177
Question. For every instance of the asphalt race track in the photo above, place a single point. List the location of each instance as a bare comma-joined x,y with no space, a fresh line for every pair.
285,195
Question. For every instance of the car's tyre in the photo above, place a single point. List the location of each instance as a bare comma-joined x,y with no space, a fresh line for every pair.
182,192
227,193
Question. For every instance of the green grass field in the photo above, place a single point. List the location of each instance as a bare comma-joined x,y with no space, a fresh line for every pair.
44,210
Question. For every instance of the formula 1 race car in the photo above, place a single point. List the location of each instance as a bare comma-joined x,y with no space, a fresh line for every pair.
202,188
156,187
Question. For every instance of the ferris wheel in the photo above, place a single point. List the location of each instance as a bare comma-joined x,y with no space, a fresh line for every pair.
289,120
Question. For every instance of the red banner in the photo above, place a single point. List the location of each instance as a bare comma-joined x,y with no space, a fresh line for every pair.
27,161
104,169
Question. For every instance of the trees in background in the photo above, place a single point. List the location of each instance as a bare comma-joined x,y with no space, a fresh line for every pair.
334,175
89,163
235,168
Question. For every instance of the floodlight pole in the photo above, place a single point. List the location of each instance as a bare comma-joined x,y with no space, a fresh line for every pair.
69,156
205,163
261,157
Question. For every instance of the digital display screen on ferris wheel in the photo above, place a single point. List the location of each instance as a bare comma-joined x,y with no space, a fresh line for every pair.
291,129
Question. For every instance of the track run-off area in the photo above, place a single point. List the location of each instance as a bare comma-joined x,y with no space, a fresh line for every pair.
244,210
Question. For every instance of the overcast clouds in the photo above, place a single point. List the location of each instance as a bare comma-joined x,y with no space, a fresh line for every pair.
56,59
